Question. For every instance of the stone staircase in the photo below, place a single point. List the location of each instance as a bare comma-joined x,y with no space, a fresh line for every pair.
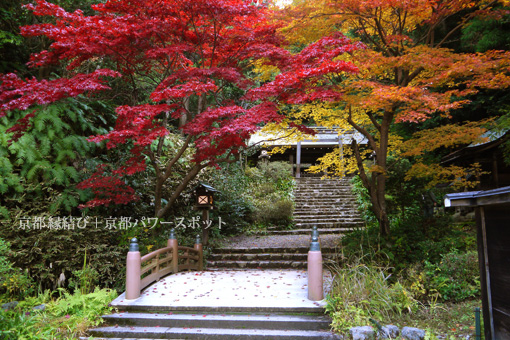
328,204
213,323
262,257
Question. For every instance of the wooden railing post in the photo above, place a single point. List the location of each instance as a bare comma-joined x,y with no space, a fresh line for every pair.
198,246
172,242
133,271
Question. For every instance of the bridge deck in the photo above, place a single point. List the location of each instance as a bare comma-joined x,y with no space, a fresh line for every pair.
224,290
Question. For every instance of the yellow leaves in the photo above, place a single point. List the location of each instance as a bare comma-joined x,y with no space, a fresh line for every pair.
307,21
278,134
456,176
264,72
340,162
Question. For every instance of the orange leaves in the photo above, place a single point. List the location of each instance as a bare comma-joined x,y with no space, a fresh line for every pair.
445,136
456,176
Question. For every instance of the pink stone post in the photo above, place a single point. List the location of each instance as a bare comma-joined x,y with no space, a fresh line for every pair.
198,246
172,242
133,271
315,290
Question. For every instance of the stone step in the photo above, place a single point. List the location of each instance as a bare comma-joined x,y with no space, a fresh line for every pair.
305,225
339,221
137,333
338,218
215,320
240,264
323,192
327,212
270,250
334,198
341,216
325,198
258,257
306,231
338,212
326,207
321,188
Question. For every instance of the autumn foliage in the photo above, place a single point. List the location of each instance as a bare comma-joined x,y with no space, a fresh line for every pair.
187,55
406,75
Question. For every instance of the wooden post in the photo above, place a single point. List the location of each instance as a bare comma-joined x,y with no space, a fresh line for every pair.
198,246
133,271
205,230
291,161
172,242
298,160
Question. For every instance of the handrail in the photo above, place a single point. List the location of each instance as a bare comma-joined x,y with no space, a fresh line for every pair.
157,266
161,262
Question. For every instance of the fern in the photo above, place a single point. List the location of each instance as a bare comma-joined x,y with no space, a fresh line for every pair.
4,212
45,147
72,173
5,166
38,169
65,154
64,201
40,163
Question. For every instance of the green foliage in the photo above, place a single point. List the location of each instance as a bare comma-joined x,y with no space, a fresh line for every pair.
455,278
44,163
16,326
361,292
13,281
273,209
414,237
50,255
259,195
271,191
232,203
89,306
66,318
363,201
86,278
483,34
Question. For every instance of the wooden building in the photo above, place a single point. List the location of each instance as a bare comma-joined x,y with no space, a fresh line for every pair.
489,155
493,238
304,153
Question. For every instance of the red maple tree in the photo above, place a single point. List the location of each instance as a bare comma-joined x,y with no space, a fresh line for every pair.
184,56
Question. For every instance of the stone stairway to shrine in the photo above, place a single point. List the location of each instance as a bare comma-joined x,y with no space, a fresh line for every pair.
328,204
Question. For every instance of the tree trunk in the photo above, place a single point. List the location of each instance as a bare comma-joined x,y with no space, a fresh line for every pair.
375,183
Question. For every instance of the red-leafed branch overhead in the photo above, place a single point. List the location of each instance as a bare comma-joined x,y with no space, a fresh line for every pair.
185,57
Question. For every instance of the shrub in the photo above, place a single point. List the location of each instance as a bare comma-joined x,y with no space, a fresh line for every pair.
273,210
361,292
261,195
412,240
455,278
275,171
13,281
46,254
68,317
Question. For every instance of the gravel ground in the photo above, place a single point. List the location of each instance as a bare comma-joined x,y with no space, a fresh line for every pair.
278,241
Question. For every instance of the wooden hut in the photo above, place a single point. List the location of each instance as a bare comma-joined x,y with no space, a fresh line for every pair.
493,237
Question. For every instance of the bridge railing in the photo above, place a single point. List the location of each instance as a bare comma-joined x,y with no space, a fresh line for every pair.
141,271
